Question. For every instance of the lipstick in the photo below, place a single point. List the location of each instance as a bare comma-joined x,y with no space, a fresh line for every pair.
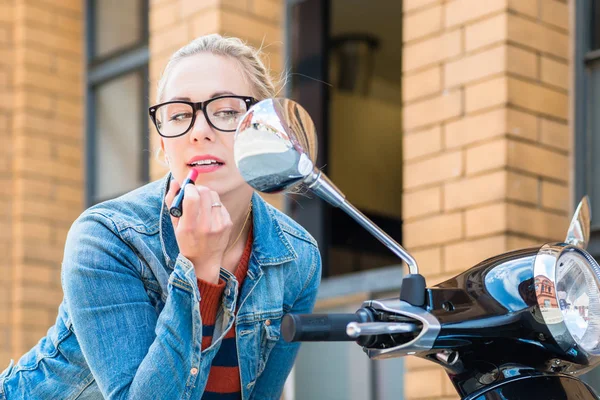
176,209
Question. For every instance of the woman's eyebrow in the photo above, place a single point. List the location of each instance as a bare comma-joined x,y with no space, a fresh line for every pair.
221,93
212,96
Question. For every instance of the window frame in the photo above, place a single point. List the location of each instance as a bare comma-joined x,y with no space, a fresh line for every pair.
100,70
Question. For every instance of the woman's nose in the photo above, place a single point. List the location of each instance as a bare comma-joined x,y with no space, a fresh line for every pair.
201,129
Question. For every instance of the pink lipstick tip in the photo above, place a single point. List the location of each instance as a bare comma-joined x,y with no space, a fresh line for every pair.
193,175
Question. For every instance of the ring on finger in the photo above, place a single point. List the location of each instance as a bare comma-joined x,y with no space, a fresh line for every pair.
216,204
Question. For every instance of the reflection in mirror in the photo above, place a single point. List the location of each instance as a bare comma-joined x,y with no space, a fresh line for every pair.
275,145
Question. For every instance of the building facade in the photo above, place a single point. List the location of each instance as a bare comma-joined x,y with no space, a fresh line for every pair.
464,127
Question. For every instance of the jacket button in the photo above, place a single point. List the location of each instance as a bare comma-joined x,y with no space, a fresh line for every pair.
194,371
268,322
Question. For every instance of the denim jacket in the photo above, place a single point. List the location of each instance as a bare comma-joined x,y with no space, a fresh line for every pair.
129,325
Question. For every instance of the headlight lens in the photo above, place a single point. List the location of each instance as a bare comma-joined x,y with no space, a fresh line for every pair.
578,296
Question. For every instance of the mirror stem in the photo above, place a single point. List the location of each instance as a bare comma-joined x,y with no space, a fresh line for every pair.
325,189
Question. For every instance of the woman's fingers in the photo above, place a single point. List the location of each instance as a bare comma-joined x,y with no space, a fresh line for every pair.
191,207
170,197
216,211
205,220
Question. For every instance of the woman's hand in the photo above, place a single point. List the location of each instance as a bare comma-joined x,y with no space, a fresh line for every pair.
202,231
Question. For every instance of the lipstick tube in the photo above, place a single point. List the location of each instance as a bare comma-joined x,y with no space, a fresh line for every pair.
176,209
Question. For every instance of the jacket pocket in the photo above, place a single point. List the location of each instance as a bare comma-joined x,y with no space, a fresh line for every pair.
270,333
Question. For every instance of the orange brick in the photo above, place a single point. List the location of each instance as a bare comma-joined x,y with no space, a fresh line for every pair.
432,170
206,22
555,196
555,13
461,11
269,9
32,317
486,94
36,231
516,242
5,35
475,67
72,195
412,5
42,274
6,13
538,98
416,363
555,73
256,31
40,58
433,110
421,84
37,295
422,202
469,192
422,23
424,384
53,39
429,262
522,188
70,24
486,156
164,15
169,40
431,51
537,223
433,231
537,36
555,134
521,124
538,160
461,256
529,7
486,220
192,7
421,143
521,62
472,129
29,100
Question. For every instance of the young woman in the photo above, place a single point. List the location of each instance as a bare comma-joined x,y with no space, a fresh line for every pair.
158,307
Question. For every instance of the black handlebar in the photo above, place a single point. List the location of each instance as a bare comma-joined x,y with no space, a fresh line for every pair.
321,327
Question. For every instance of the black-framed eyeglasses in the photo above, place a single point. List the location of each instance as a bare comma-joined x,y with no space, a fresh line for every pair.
176,118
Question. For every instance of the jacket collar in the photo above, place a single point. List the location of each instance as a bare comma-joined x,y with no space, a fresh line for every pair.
270,246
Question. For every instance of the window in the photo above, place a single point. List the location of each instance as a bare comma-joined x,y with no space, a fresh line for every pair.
345,59
587,121
117,98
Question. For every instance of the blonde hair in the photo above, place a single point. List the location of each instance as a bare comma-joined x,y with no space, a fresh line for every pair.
248,57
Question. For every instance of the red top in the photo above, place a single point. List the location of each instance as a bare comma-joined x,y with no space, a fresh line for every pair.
224,375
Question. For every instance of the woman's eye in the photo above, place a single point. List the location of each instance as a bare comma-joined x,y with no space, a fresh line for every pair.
226,113
180,117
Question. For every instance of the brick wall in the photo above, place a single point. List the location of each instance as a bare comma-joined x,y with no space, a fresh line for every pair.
41,124
486,138
174,23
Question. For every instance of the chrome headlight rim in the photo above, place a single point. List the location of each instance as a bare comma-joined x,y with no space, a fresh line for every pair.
545,265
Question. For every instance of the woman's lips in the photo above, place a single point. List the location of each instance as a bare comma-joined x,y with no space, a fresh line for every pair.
203,169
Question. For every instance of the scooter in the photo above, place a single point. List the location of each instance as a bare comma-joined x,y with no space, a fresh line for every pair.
520,325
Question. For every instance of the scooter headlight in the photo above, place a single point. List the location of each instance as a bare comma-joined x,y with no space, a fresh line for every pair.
578,296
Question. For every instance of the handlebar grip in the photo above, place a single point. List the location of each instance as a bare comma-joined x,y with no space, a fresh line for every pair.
317,327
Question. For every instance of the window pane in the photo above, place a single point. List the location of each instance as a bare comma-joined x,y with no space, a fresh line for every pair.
593,189
118,24
118,136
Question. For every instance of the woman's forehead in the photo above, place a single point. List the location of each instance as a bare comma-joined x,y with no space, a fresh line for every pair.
198,77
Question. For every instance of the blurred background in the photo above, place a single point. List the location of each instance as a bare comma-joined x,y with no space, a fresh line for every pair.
464,128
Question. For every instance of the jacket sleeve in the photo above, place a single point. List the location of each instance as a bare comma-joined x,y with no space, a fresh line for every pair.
281,359
132,351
